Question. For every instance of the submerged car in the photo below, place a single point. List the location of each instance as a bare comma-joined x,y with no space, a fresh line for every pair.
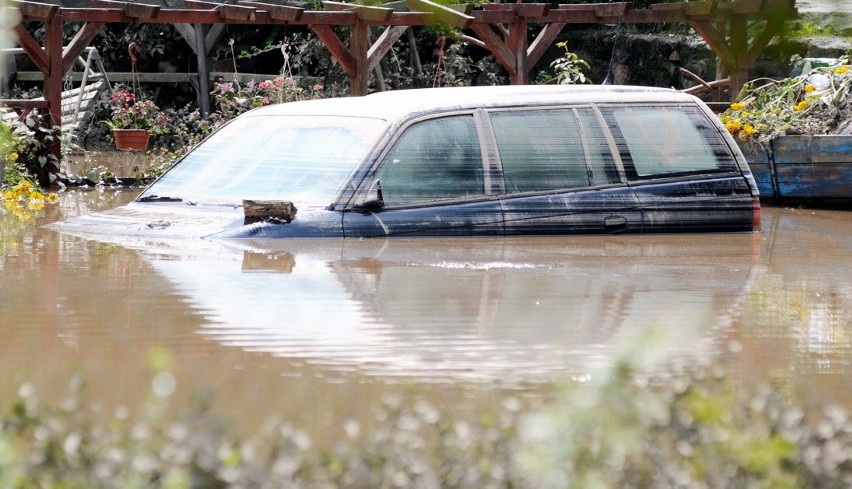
454,161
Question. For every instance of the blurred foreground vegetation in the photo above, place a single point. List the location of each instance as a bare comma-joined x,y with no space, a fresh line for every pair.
619,427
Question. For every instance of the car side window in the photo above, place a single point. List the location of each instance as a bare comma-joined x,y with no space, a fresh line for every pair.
433,160
541,150
662,141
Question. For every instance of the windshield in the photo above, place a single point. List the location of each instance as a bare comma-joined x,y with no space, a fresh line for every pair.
303,159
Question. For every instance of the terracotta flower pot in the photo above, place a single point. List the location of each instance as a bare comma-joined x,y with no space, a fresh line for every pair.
131,139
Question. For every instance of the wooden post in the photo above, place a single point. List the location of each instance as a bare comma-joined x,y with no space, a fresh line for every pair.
739,47
52,93
518,43
203,71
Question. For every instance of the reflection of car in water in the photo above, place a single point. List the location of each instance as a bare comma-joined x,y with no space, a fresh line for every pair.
512,309
471,161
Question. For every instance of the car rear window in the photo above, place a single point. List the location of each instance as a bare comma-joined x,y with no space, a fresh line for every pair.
552,149
662,141
304,159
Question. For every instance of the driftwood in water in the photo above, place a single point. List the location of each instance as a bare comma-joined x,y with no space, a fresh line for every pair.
256,210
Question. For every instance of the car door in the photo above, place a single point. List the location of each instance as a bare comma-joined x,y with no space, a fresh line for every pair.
432,182
559,174
683,173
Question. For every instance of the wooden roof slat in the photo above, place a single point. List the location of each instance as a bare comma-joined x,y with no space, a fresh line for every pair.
320,17
238,12
493,16
130,9
362,12
521,9
276,12
200,5
641,16
412,18
573,16
704,9
36,10
600,9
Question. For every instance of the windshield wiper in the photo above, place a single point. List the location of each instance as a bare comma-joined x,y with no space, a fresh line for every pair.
163,198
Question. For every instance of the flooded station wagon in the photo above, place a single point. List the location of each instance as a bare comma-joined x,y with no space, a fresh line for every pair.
519,160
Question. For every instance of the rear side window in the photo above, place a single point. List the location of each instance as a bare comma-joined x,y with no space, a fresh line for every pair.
661,141
433,160
552,149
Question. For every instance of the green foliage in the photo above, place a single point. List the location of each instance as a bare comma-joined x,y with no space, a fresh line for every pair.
25,148
619,428
815,102
568,68
688,428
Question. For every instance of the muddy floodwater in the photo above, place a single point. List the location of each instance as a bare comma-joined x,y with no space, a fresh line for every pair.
315,330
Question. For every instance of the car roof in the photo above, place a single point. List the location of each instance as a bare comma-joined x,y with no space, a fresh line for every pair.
400,104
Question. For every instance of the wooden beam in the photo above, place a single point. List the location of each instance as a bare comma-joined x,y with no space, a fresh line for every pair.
717,42
335,47
24,104
498,48
760,42
79,43
32,48
543,41
383,44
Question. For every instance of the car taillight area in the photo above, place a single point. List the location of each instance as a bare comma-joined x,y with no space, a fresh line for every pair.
755,215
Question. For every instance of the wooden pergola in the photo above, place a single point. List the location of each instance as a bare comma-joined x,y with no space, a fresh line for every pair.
501,28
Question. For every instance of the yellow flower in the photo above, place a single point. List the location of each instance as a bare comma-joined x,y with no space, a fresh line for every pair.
801,105
840,70
13,157
809,88
737,106
749,129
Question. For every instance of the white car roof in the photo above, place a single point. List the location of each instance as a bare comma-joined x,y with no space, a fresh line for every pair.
405,103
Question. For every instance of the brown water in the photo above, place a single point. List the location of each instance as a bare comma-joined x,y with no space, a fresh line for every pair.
315,330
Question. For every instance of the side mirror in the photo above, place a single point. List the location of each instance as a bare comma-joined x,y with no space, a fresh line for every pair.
373,198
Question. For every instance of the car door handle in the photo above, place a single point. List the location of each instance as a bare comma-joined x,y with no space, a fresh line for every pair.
615,224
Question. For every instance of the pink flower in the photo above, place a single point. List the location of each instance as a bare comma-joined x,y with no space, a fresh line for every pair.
264,85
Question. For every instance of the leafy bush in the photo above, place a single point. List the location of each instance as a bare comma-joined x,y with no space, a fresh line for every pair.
623,428
816,102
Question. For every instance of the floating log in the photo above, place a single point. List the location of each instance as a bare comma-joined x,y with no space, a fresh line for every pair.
259,210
